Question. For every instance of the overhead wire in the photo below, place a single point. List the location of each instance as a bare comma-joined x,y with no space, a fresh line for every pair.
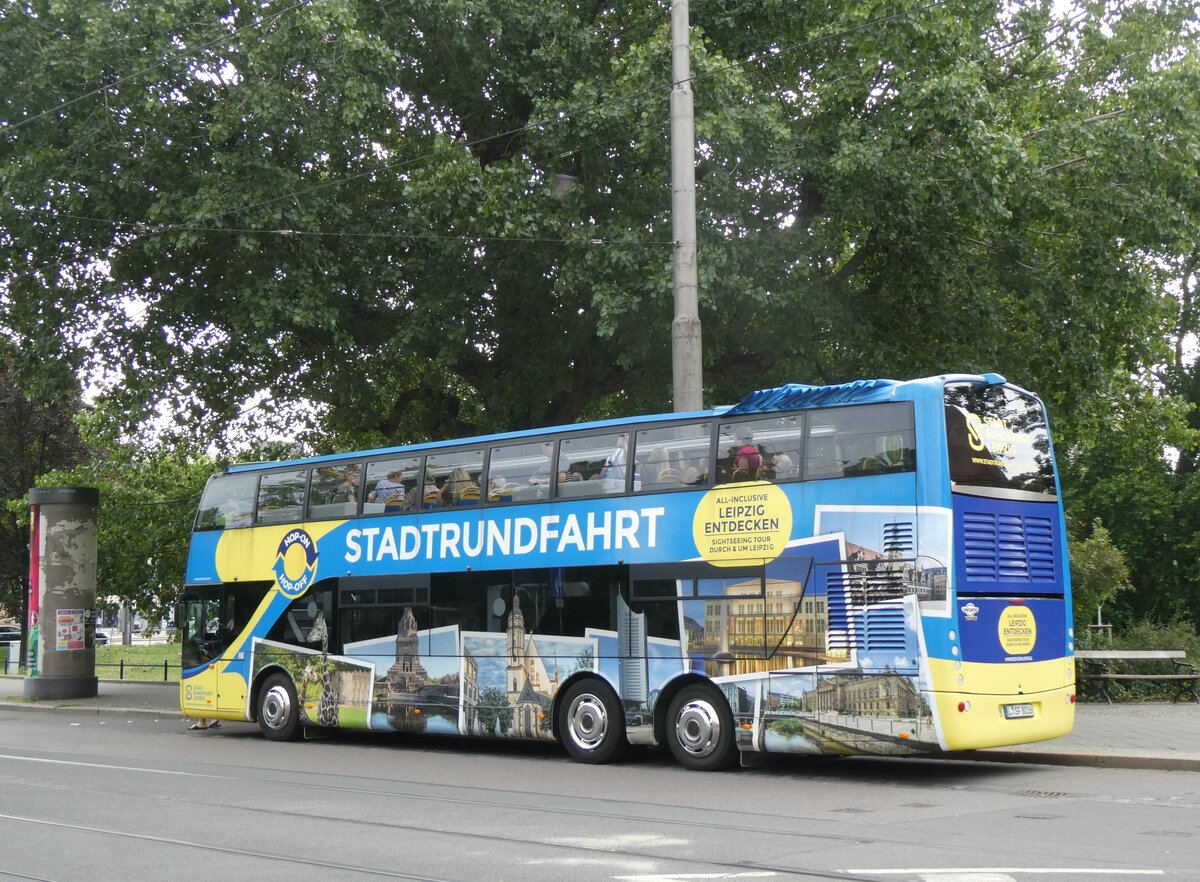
565,115
188,54
758,59
560,118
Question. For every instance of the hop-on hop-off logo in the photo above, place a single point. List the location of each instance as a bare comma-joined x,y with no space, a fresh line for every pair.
296,563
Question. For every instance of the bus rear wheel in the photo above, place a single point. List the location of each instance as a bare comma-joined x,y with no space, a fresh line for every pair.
278,710
700,729
590,723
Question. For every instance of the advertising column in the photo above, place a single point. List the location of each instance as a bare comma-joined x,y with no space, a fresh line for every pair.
62,592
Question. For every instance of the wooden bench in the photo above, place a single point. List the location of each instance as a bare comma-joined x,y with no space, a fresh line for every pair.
1104,666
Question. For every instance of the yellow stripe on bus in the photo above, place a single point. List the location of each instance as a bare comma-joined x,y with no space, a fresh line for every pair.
1000,678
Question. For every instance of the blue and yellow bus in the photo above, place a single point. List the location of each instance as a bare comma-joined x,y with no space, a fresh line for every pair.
876,567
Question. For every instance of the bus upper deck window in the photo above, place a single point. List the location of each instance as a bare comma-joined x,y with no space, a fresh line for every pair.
599,464
392,485
334,491
673,457
281,496
228,501
869,439
762,449
453,479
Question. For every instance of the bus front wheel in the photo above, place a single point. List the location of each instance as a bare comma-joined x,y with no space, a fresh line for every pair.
590,723
700,729
278,711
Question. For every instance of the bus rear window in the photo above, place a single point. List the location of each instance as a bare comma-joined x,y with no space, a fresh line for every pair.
997,442
228,501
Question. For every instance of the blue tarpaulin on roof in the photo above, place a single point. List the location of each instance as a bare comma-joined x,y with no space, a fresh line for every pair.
796,396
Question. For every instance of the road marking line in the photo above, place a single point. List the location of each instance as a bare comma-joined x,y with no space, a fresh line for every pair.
942,873
673,877
614,843
58,762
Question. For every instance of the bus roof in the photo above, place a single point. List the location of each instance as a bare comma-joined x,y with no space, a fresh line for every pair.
792,396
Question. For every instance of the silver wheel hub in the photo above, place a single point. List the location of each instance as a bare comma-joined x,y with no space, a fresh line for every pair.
276,707
698,728
587,722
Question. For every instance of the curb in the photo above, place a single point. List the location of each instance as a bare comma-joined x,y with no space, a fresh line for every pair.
157,713
1076,758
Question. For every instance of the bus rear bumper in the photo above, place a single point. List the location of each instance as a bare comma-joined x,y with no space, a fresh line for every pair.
971,721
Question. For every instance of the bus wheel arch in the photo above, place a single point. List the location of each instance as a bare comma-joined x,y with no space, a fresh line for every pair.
699,728
589,720
276,705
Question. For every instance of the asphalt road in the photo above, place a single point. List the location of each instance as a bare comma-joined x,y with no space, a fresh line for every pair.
86,797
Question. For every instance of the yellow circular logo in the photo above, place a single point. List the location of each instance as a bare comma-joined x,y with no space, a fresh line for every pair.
737,522
1017,630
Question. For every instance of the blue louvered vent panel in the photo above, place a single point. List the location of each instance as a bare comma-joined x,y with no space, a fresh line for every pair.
1039,543
1008,547
842,624
898,537
884,628
862,618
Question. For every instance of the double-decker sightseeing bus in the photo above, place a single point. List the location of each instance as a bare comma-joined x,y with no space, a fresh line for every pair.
876,567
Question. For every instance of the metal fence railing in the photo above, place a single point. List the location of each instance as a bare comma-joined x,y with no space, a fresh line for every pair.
166,672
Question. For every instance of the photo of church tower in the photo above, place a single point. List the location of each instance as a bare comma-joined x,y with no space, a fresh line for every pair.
529,686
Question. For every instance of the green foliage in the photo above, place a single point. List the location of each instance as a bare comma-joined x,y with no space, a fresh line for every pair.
148,500
352,204
1179,634
345,212
1150,510
1098,572
38,432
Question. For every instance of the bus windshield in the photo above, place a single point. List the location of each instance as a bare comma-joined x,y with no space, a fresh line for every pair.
997,442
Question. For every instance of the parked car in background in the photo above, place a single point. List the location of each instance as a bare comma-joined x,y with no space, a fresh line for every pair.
9,633
101,638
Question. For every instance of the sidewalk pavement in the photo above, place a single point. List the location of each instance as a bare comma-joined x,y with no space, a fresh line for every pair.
1143,735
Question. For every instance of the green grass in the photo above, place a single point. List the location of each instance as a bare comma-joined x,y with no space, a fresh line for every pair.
141,662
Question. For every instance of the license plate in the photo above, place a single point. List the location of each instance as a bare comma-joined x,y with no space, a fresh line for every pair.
1018,711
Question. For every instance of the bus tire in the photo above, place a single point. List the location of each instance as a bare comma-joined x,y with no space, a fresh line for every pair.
278,710
591,723
700,729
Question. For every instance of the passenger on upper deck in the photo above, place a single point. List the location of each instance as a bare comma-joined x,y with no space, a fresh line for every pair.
541,472
389,490
748,457
459,488
614,466
785,469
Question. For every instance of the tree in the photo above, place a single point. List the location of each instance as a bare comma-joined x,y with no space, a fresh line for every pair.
148,500
353,203
350,209
1098,573
40,434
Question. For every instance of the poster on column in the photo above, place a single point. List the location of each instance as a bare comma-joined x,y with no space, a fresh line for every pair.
69,629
